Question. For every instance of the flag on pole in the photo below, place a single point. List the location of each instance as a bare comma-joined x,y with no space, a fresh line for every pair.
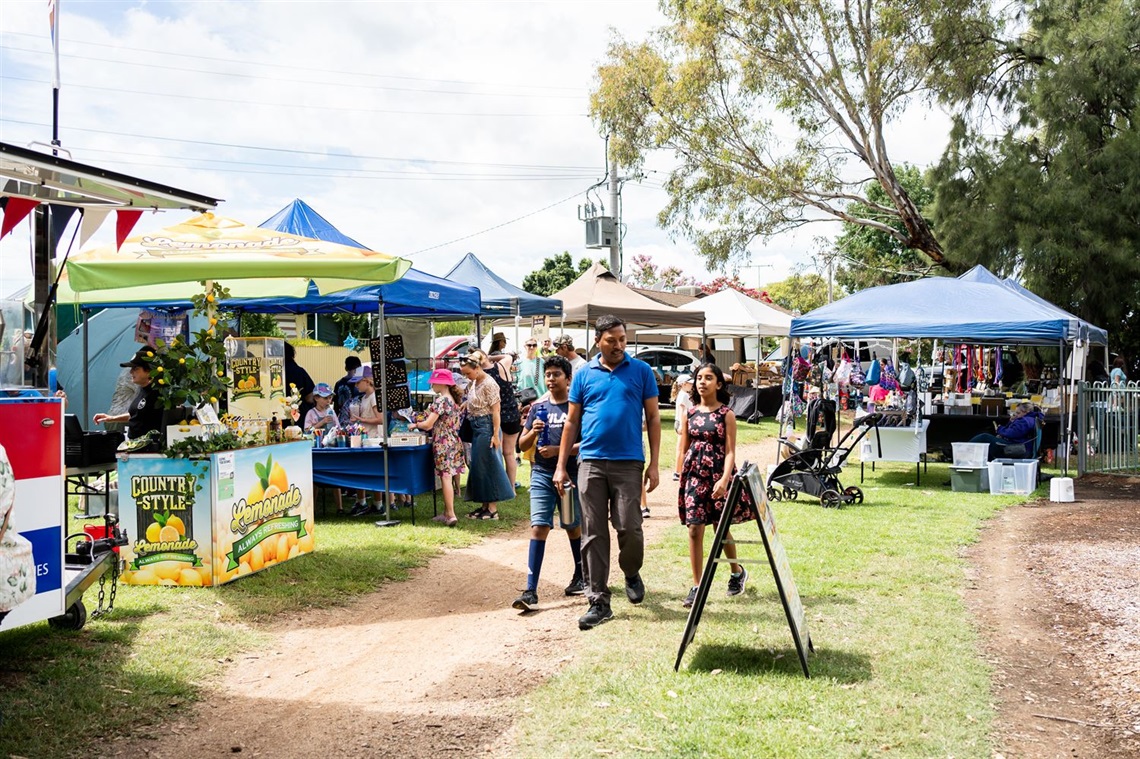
53,21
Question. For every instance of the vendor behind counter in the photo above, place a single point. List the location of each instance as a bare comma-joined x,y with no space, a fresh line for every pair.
144,414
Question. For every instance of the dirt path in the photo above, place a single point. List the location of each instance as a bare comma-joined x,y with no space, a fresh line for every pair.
1056,591
419,667
432,664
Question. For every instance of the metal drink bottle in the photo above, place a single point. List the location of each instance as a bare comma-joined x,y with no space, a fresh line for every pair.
542,415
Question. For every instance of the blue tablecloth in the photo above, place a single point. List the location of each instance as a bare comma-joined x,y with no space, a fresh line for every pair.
411,469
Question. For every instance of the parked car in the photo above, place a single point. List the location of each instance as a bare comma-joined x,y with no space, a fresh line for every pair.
667,365
447,350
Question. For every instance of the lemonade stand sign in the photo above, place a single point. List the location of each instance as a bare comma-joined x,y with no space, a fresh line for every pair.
256,367
165,509
202,522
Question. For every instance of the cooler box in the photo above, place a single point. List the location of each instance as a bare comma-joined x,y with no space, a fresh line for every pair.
970,454
969,479
1013,476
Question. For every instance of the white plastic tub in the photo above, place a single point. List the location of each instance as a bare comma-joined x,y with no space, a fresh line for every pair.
970,454
1013,476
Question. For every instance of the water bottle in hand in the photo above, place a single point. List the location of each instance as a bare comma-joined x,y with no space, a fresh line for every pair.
541,414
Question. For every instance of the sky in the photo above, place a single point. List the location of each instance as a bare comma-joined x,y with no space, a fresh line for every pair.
422,129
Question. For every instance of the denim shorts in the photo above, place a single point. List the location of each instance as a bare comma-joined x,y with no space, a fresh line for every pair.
544,501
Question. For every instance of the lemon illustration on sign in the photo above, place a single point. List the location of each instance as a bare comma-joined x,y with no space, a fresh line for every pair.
166,528
271,480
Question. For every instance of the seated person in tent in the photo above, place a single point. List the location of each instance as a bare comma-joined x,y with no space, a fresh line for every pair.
1016,438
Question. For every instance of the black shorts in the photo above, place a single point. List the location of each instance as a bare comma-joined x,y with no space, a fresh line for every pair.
512,427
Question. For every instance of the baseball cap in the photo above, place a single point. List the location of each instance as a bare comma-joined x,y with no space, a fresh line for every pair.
143,358
322,389
362,372
566,340
682,379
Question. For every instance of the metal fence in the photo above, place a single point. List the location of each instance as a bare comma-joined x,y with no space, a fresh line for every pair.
1108,423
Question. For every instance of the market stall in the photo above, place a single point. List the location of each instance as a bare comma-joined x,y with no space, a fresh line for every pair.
34,472
977,308
732,314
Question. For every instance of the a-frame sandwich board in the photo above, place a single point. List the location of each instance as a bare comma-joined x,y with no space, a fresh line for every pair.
750,477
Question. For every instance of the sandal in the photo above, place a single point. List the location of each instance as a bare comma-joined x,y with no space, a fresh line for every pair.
451,522
477,513
439,518
485,515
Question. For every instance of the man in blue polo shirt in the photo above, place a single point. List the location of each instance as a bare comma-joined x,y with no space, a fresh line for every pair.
608,398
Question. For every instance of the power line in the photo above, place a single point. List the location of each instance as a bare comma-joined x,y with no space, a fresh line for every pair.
294,105
497,226
323,154
309,68
293,81
291,169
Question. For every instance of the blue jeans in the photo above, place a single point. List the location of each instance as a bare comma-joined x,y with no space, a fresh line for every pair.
544,500
1001,448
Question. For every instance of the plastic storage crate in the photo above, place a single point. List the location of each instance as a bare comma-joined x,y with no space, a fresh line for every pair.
970,454
1013,476
969,479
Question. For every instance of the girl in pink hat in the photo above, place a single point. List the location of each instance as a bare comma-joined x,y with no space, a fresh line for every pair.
443,421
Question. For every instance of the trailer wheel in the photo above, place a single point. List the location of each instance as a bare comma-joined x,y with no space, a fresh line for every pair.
72,619
830,499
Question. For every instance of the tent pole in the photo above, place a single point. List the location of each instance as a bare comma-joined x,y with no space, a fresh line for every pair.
86,368
387,521
518,318
755,416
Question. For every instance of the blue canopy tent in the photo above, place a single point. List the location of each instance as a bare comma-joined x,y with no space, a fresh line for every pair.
1078,328
943,308
499,297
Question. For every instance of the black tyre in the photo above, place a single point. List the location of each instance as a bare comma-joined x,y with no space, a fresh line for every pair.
830,499
72,619
790,494
774,495
853,495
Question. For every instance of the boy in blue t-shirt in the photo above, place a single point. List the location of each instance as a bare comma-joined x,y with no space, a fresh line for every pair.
543,495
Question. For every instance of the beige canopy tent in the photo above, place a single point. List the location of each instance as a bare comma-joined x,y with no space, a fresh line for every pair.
598,292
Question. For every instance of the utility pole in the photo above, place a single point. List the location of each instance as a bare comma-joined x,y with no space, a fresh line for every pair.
615,209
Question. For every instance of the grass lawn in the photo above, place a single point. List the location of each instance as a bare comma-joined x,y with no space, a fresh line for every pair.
895,671
895,667
162,645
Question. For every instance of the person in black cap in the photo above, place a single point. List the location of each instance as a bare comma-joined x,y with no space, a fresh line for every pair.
144,414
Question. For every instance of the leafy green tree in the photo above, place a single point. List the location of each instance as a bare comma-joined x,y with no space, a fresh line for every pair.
867,257
1055,196
450,329
556,273
799,293
260,325
725,83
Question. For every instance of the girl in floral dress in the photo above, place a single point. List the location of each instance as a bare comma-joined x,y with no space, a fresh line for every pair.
443,421
708,440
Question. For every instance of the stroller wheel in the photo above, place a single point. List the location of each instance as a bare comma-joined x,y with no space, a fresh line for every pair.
830,499
853,495
791,495
774,495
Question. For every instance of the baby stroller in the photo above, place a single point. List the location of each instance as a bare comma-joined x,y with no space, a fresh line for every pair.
815,469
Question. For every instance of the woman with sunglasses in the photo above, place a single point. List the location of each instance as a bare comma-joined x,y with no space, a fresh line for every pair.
487,481
530,371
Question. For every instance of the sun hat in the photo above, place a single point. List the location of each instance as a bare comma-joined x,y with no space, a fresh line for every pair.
322,389
361,373
498,336
143,358
441,377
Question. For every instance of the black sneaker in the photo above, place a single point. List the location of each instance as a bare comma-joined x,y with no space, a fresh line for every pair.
599,612
360,509
634,589
691,598
577,586
736,582
645,513
526,602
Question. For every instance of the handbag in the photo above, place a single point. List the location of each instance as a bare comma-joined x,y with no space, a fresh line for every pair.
466,434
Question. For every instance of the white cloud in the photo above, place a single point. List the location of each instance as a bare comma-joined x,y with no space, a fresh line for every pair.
362,105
